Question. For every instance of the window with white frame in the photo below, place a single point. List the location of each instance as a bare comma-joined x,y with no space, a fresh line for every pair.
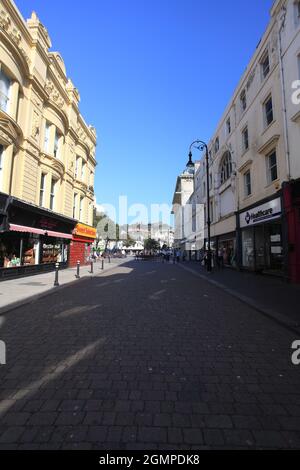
226,167
52,193
268,111
272,169
265,65
81,208
5,86
47,137
83,167
243,100
77,167
42,190
247,183
245,138
56,144
1,164
74,205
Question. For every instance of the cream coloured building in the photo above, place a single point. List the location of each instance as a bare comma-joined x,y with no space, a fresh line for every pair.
254,158
47,151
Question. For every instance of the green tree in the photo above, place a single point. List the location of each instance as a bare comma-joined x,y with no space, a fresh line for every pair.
151,245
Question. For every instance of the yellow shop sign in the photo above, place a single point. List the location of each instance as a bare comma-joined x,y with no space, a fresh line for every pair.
82,230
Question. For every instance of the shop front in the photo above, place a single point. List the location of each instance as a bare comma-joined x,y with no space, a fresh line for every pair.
291,198
83,238
32,239
261,237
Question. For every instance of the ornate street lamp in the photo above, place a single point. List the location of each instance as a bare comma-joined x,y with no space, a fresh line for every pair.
200,145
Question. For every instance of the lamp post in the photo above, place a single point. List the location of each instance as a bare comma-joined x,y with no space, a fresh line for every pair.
200,145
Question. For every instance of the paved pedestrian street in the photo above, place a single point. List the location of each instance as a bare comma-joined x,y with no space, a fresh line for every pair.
148,356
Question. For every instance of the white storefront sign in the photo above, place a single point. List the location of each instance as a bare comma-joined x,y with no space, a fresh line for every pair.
264,213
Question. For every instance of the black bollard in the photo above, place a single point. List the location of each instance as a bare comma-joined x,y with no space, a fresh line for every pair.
56,283
102,267
92,267
109,259
78,270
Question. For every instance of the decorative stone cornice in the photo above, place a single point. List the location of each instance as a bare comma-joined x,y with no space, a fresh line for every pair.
54,163
9,128
53,94
13,34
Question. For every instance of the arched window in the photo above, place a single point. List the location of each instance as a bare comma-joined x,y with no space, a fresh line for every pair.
226,167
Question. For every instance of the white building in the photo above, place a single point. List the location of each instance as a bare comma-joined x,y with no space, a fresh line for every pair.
254,157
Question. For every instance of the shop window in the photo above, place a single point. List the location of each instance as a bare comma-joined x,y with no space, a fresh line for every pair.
53,194
268,111
42,190
248,248
53,253
226,167
1,165
5,86
247,184
272,170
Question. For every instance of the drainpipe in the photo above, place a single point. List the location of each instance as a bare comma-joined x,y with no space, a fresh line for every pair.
283,94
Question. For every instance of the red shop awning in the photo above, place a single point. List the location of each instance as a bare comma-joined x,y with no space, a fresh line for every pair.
22,228
38,231
58,235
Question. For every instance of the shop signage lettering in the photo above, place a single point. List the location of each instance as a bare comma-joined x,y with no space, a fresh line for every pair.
85,231
47,224
262,213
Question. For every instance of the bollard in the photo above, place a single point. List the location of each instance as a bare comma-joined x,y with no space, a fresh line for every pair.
109,259
102,267
56,283
78,270
92,267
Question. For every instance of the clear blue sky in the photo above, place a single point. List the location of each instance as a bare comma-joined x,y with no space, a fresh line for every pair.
153,75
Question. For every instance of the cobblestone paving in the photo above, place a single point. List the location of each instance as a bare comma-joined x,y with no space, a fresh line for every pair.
149,357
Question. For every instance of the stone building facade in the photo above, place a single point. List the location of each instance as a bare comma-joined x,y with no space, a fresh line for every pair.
254,157
47,151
